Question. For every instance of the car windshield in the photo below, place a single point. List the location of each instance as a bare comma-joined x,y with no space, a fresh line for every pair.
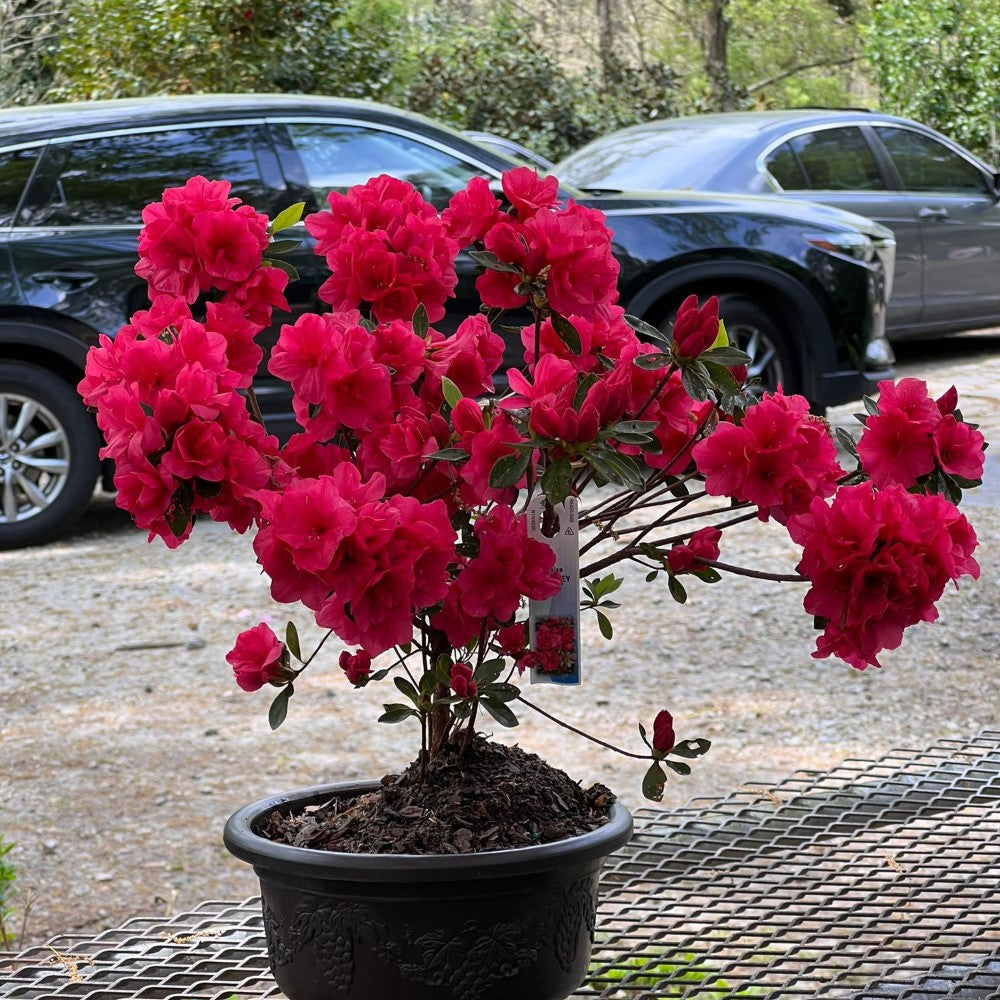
651,158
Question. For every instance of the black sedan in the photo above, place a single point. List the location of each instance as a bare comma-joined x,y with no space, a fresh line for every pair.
803,287
941,202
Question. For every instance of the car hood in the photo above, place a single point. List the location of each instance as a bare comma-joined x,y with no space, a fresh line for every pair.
807,213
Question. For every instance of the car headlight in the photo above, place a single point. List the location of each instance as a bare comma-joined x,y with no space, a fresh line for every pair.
856,246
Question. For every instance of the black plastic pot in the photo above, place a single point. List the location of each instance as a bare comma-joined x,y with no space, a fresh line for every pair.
490,926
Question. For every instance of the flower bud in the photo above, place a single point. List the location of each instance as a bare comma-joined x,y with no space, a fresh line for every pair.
663,732
695,330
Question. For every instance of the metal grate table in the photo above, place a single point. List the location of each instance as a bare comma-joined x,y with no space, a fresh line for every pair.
876,880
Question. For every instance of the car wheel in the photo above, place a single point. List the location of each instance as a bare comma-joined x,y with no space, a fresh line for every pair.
753,331
48,455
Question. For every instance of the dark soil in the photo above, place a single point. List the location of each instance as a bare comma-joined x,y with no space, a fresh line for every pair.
493,797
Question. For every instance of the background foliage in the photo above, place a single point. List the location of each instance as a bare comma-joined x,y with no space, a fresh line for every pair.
939,61
551,74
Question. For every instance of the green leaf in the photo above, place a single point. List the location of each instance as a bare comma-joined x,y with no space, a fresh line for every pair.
678,488
653,362
492,262
282,265
406,687
287,217
602,586
697,384
566,332
508,470
870,405
653,782
452,393
292,641
644,735
501,692
677,766
847,440
428,681
650,577
615,468
728,357
279,707
488,671
604,624
708,574
557,479
283,246
421,322
647,331
499,711
396,713
449,455
583,387
691,748
677,591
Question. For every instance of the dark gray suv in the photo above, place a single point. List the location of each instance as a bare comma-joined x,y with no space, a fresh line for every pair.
802,287
941,202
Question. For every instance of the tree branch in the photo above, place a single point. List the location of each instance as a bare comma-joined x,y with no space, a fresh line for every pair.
760,85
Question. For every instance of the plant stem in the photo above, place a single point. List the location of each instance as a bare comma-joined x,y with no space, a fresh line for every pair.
757,574
254,406
580,732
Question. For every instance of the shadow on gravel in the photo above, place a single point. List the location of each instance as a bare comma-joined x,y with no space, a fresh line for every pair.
101,519
959,348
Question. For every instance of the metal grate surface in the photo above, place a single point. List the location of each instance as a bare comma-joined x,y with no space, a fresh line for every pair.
873,881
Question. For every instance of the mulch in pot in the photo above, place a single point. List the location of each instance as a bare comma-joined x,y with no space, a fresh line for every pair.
493,797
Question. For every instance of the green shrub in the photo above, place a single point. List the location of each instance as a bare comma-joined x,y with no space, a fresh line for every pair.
7,875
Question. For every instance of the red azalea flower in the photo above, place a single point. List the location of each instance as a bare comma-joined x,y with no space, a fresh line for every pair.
461,681
357,666
259,658
780,457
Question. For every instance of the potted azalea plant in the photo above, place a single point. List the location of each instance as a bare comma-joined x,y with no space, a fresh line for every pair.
453,535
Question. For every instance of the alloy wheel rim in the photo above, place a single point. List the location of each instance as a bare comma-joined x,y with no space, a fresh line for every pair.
34,458
765,361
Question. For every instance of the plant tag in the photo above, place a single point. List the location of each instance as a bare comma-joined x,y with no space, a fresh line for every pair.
554,624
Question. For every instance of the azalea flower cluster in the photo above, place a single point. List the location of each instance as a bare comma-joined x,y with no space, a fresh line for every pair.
397,514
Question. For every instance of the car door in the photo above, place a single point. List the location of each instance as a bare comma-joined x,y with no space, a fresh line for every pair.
838,166
16,167
958,215
324,156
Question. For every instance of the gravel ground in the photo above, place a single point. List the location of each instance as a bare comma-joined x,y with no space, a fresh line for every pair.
124,744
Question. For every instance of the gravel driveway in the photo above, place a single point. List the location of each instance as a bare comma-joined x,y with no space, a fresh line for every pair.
124,743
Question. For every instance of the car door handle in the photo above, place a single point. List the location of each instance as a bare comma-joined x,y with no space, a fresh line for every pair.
933,213
66,281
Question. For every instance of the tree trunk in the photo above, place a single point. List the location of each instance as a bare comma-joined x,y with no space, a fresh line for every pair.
606,41
722,92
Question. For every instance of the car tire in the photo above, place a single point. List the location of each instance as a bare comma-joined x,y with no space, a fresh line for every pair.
48,455
751,329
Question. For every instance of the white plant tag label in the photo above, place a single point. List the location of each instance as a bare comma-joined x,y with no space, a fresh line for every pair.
554,624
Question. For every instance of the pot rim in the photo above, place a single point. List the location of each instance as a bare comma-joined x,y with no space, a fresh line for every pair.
241,841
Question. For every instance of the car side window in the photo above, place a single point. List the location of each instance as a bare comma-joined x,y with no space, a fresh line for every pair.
336,157
838,159
108,180
784,167
15,170
924,164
